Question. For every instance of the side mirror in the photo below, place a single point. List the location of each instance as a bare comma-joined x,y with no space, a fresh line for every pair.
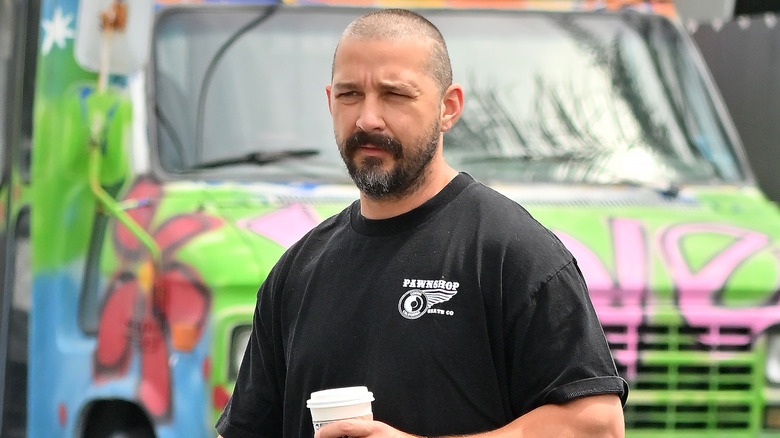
121,51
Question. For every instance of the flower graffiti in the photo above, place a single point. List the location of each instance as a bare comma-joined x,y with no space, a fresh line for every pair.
147,310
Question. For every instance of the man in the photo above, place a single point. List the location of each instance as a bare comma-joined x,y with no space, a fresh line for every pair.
460,312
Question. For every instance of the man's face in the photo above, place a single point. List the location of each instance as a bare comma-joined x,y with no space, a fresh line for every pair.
386,112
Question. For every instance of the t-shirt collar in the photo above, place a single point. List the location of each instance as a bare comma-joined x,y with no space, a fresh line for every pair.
412,218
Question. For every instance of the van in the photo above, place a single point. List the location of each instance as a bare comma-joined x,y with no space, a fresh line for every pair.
159,197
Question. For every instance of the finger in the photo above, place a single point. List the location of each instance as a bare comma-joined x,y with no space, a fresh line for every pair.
351,428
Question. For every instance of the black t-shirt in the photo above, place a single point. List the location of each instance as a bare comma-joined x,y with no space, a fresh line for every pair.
460,316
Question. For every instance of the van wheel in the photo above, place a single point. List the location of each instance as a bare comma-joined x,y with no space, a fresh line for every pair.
135,433
117,419
103,430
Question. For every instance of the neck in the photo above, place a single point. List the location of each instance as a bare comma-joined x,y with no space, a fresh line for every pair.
436,179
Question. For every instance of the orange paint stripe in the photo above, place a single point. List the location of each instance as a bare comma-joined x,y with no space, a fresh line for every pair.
347,2
663,7
412,3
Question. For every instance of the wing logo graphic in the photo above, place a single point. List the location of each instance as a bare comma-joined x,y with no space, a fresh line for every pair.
416,302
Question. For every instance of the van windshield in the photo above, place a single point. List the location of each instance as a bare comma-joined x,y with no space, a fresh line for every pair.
549,97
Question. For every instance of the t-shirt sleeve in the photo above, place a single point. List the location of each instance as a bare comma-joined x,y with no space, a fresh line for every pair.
560,352
255,407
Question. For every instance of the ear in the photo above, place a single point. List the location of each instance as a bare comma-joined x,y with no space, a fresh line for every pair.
327,91
451,106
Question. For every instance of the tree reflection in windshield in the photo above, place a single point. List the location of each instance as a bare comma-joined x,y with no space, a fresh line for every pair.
622,119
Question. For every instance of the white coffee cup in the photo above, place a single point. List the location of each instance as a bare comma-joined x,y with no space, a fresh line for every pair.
336,404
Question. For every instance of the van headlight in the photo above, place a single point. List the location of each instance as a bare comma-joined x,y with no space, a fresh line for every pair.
238,342
773,357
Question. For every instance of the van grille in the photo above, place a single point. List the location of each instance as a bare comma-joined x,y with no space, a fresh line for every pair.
679,338
687,378
688,416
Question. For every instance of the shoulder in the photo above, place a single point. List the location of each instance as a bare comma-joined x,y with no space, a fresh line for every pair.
506,230
508,219
484,200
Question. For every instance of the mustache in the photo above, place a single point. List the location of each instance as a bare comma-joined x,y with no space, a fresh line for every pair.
381,141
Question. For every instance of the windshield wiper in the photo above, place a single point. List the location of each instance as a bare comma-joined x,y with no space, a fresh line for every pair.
555,158
667,189
259,158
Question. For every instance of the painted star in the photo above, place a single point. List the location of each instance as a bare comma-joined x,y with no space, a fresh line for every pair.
57,30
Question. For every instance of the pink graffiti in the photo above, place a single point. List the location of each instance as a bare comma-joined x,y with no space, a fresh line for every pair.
696,290
621,295
284,226
618,298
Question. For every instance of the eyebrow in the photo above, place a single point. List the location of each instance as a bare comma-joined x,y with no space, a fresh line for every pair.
385,86
345,86
403,87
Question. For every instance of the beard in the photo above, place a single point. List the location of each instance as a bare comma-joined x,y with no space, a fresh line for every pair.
407,173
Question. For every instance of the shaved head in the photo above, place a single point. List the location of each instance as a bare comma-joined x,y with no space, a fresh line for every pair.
403,24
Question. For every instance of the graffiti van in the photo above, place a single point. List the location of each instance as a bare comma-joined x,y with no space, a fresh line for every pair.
157,160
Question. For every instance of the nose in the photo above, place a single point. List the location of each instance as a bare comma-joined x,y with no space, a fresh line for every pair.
371,118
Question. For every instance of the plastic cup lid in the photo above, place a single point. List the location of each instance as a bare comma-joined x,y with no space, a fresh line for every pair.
351,395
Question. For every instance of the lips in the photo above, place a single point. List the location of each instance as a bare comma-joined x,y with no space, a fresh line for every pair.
370,148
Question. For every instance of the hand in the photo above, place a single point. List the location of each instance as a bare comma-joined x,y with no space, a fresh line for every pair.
360,429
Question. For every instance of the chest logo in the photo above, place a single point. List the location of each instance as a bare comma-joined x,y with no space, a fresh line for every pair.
417,302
